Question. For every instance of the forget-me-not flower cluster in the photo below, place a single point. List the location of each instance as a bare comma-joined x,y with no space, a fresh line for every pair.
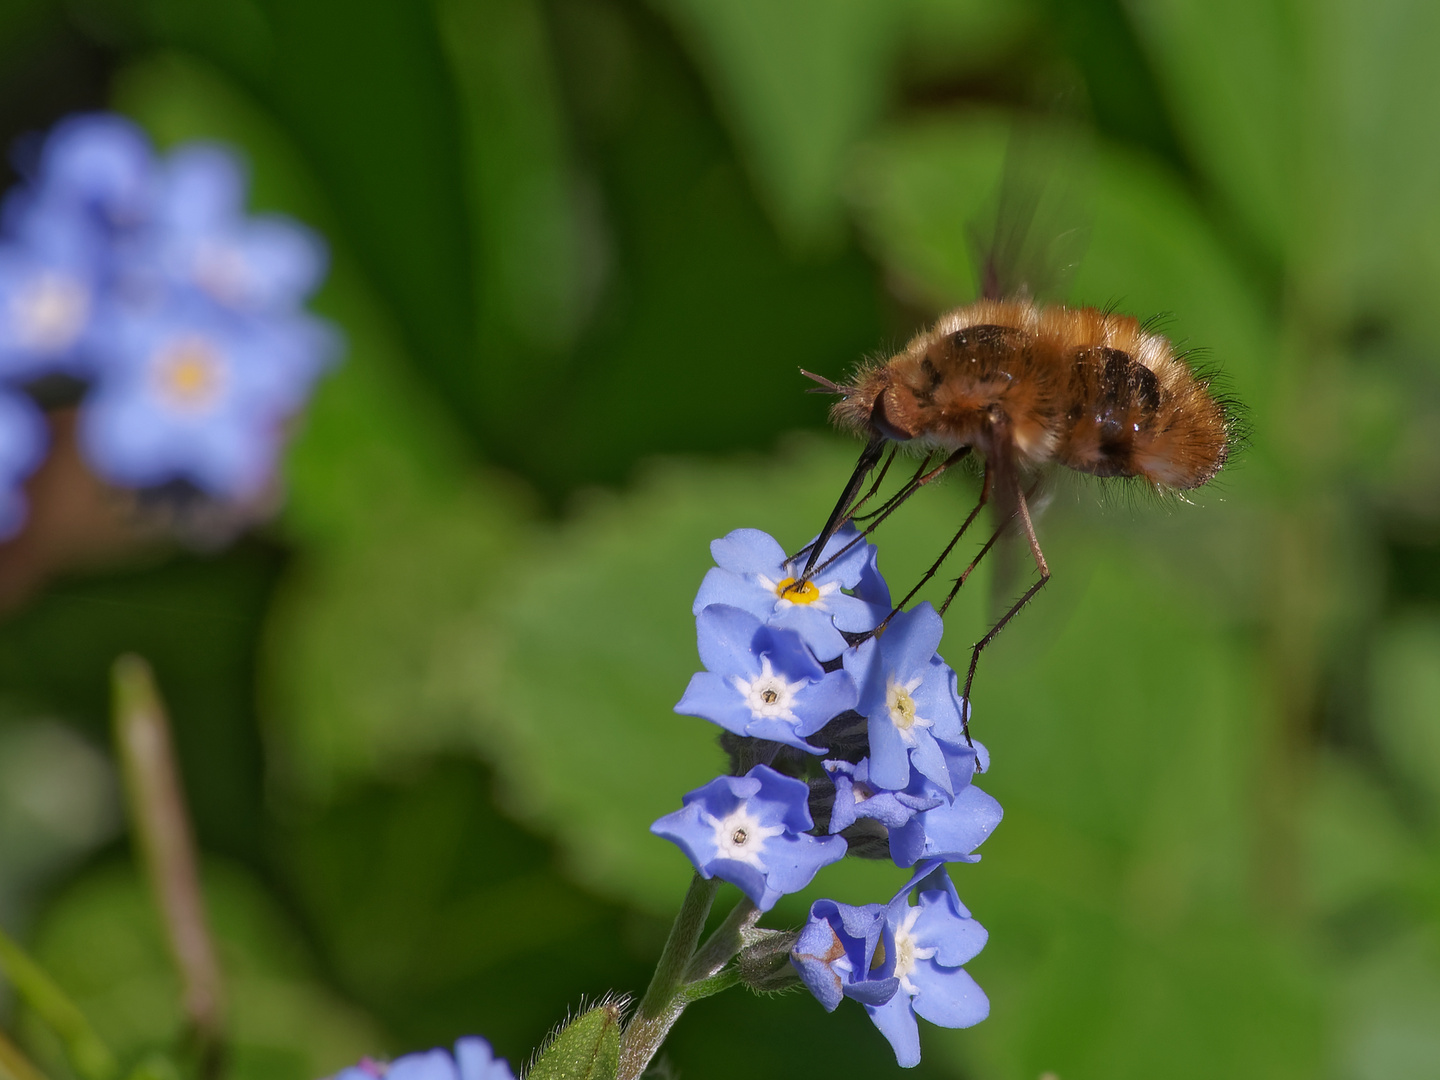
141,279
841,717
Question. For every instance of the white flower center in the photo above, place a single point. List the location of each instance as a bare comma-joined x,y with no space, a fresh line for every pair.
188,373
769,696
907,952
50,311
740,836
901,706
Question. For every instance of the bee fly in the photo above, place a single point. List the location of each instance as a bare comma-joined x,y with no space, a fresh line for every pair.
1024,386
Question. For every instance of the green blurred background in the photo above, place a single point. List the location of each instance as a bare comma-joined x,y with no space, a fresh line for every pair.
580,248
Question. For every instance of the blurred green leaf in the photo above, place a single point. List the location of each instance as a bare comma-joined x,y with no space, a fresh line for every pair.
799,82
1406,705
539,258
1233,75
103,942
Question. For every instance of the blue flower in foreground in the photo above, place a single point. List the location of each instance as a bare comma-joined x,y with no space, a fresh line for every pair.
202,238
473,1060
752,573
930,942
752,831
908,695
192,393
23,439
950,831
835,954
856,797
762,681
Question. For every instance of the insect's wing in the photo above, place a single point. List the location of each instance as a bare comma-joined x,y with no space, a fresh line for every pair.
1029,241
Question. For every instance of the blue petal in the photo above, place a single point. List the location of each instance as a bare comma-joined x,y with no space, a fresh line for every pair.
477,1061
724,587
430,1065
889,755
948,997
896,1021
712,697
749,551
725,637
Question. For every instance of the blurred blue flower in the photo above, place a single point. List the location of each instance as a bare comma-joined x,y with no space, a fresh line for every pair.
23,440
752,573
473,1060
192,392
145,277
49,292
752,831
201,238
762,681
908,695
929,942
835,954
98,169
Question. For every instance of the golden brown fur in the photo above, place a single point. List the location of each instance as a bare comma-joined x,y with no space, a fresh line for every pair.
1089,389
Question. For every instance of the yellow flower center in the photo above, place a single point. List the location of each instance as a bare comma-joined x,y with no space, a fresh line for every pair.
797,591
189,373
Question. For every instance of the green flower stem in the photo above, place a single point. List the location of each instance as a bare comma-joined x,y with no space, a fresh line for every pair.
14,1065
693,992
161,826
664,1001
727,940
91,1057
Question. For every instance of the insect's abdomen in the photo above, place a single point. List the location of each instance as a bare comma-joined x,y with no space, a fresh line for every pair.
1124,419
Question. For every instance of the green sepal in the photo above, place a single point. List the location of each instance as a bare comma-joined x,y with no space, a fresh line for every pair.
587,1048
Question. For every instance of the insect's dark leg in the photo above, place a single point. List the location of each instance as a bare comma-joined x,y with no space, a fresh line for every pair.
905,490
912,485
868,457
935,567
1022,511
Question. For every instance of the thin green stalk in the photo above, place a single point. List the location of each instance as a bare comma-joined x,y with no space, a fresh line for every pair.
663,1002
14,1065
161,825
91,1057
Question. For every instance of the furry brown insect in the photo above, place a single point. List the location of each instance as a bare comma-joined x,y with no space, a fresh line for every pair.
1025,386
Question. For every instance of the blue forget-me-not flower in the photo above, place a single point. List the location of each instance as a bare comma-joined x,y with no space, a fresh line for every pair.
929,942
753,573
473,1060
762,681
752,831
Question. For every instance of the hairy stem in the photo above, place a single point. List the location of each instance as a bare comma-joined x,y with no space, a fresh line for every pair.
664,1001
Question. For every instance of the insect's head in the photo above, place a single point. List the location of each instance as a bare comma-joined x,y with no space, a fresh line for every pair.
878,404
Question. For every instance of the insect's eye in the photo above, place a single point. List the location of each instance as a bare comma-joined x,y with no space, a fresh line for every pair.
894,415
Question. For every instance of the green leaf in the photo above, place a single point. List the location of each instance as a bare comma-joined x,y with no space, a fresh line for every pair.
1406,702
103,941
799,82
586,1048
